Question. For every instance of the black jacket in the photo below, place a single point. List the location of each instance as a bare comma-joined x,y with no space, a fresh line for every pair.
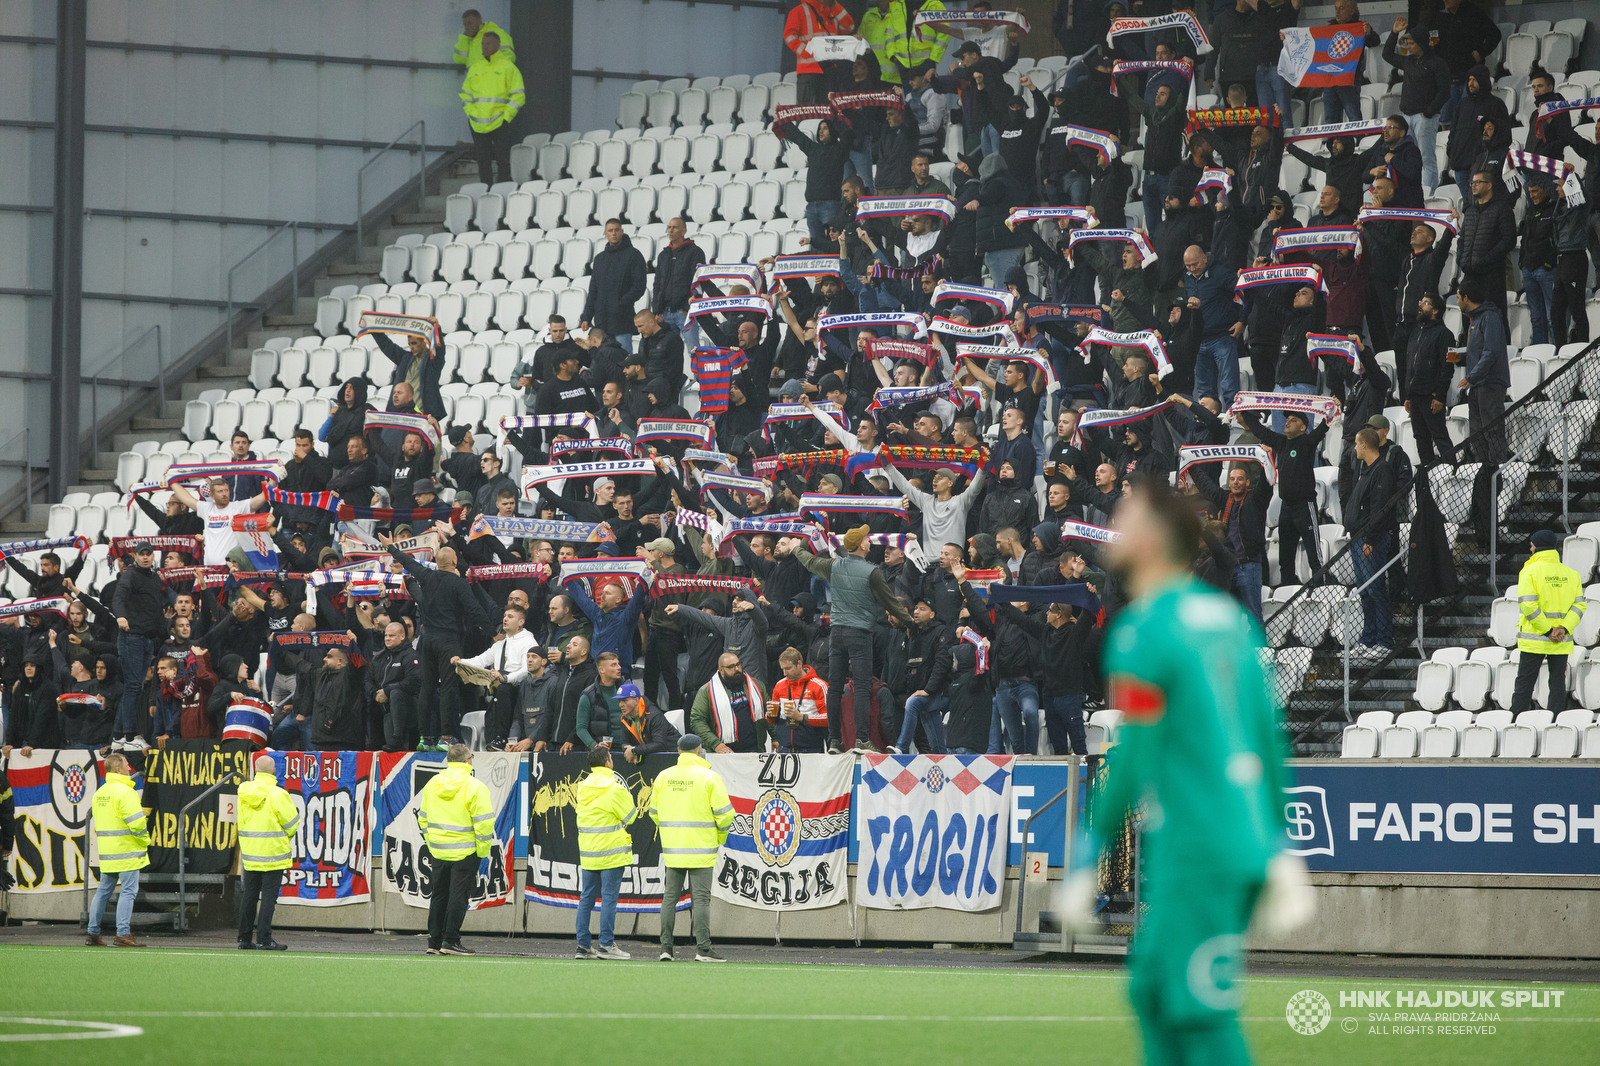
824,161
1345,171
1466,132
1295,458
616,281
141,598
998,193
893,148
652,736
971,695
1488,233
1370,492
559,723
1456,36
1536,248
1368,395
1060,648
1419,275
394,670
1012,654
1019,139
675,269
1426,84
446,604
333,699
663,356
1252,514
1407,164
347,422
924,646
1427,373
1163,126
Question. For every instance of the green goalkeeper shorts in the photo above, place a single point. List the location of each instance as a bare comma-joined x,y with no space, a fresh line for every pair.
1187,962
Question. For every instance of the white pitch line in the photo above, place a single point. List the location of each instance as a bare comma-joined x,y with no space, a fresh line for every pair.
96,1030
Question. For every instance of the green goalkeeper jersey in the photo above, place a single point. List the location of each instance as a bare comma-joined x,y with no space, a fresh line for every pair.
1200,744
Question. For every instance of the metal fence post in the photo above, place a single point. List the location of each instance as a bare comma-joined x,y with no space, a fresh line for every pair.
161,367
1494,530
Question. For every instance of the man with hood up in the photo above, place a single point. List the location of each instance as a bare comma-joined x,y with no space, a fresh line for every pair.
348,418
1425,89
1397,156
1477,105
1345,168
1001,247
1019,137
334,690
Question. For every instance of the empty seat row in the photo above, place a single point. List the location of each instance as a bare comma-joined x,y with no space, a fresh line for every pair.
1471,680
1461,734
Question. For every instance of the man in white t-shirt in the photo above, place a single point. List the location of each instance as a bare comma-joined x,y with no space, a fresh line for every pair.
217,513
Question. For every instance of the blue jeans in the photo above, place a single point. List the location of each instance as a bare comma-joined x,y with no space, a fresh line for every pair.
1155,196
1000,263
1377,619
1424,131
604,884
292,735
1247,586
930,710
1447,114
1540,288
1301,390
1341,103
1016,707
1063,719
625,342
1216,369
1272,89
859,164
688,327
129,879
134,653
1074,185
818,214
965,751
989,140
1464,183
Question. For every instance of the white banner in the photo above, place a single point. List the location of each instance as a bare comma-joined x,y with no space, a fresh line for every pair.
932,831
53,791
407,865
790,841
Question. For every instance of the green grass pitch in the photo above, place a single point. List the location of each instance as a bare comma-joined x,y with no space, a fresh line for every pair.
197,1007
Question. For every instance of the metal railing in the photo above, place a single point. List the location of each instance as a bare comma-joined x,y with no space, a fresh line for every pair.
25,463
419,145
293,229
1070,794
97,378
232,777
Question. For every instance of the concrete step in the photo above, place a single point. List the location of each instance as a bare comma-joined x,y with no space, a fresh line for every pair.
123,442
422,222
21,524
92,486
347,273
296,318
222,375
258,338
140,423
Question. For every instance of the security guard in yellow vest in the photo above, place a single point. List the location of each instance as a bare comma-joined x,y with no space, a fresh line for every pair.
1550,598
122,835
268,819
491,95
887,38
469,46
456,817
909,48
605,809
690,805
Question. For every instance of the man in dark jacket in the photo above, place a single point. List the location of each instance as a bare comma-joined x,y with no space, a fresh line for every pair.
446,608
393,684
1420,273
1233,31
528,703
1164,119
1294,453
1019,138
1423,93
1536,254
616,281
572,672
1369,496
139,605
825,160
306,472
676,263
1463,35
420,364
1345,168
535,372
330,694
893,147
1427,380
1001,247
662,347
1488,233
1368,396
1473,106
1397,155
1242,510
1486,367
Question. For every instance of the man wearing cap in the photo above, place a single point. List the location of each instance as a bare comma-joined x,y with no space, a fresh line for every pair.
690,804
1550,601
665,640
531,684
139,605
860,595
565,392
645,730
604,808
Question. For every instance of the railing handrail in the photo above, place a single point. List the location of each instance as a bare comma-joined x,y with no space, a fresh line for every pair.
1027,825
293,228
231,777
419,145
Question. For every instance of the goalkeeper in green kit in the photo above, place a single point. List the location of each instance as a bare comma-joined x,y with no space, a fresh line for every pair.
1201,751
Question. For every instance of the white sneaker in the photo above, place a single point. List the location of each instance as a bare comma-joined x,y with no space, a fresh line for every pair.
117,745
136,744
612,952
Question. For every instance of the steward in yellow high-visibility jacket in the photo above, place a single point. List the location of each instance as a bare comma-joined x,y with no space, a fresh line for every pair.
690,805
469,46
605,810
887,38
492,92
122,836
456,817
1550,600
909,49
268,819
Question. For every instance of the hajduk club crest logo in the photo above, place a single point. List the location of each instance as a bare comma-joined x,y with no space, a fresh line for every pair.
1341,44
777,827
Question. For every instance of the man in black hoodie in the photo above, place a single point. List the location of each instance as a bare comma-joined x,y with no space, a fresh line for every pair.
676,264
1242,510
616,281
1475,103
1019,138
447,607
331,695
662,347
1294,453
1423,94
1001,247
1345,167
1428,382
1463,35
1396,155
825,160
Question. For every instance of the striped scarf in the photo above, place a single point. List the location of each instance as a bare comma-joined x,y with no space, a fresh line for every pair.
828,503
172,543
1102,418
916,351
182,473
1086,531
1197,454
673,430
1010,353
1147,339
1147,254
486,525
628,571
1407,214
1297,274
321,501
322,578
1556,107
1215,178
48,605
1334,344
405,325
736,483
1361,128
1231,117
741,273
1020,215
931,22
902,206
730,724
539,572
806,464
1099,141
1040,313
1184,20
870,321
694,519
601,444
904,395
568,420
1315,238
22,547
541,475
1326,406
418,424
442,513
788,267
878,270
793,113
728,305
972,637
794,412
1003,300
247,719
856,101
714,369
954,328
203,576
1559,169
706,455
774,528
322,638
668,584
1184,66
